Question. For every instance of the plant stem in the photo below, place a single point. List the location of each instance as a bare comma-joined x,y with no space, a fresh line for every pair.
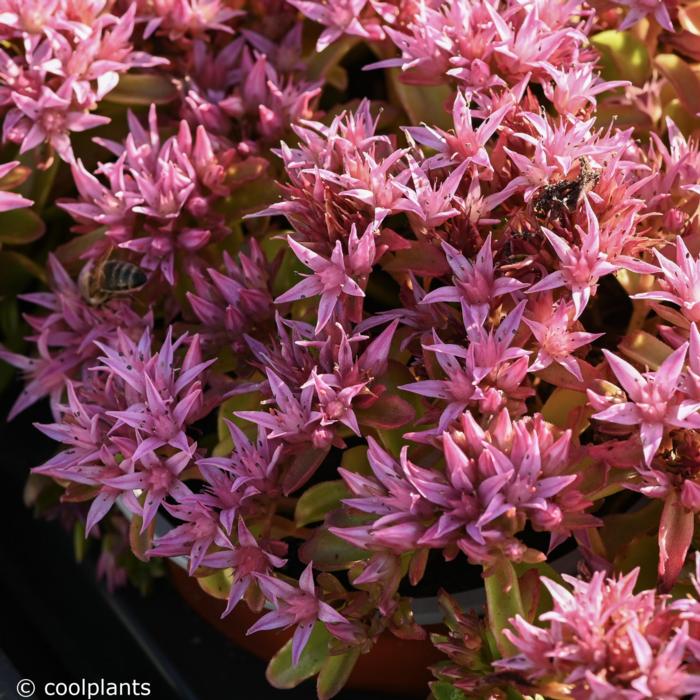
503,601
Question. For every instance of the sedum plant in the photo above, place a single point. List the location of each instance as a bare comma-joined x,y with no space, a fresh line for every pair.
348,295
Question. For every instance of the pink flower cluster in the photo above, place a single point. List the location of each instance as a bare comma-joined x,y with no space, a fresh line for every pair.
63,57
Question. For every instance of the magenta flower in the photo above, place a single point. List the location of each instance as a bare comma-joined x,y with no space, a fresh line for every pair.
475,283
251,470
51,116
655,402
390,496
493,483
435,203
160,196
248,559
293,420
458,389
580,267
86,459
681,282
638,9
236,301
335,405
161,402
301,607
555,341
604,641
179,18
330,279
465,143
572,89
10,200
488,359
197,533
154,478
343,17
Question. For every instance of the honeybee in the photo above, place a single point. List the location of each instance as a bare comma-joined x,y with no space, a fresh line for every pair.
564,196
103,279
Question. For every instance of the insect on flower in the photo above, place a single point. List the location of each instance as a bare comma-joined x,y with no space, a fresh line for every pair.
102,279
554,200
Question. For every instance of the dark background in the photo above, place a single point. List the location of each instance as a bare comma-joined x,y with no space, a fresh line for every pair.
58,624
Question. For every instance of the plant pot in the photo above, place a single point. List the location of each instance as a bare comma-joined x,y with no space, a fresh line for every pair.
394,665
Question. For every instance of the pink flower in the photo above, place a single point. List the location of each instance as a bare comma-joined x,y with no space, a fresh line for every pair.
555,342
465,143
161,403
301,607
655,402
197,532
573,88
681,282
248,472
475,283
234,301
493,482
294,420
179,18
605,642
159,202
580,267
248,559
342,17
641,8
51,117
330,279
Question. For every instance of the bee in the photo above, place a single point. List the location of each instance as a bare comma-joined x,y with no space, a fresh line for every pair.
553,201
103,279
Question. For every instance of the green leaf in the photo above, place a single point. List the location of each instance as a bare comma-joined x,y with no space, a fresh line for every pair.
318,500
329,552
20,226
689,18
320,64
423,258
503,602
642,552
335,673
10,324
71,251
355,460
142,89
218,584
389,411
239,402
283,675
422,103
560,404
646,349
623,56
17,272
302,468
620,528
443,690
140,541
684,80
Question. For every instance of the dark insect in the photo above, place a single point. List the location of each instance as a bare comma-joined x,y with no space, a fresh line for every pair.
102,279
553,201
